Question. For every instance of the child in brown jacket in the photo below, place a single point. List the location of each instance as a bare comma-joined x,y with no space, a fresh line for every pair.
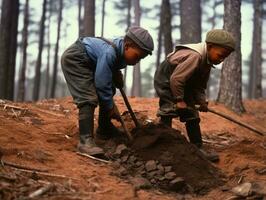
180,81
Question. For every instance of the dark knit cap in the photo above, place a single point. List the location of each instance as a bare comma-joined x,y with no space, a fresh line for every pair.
221,37
141,37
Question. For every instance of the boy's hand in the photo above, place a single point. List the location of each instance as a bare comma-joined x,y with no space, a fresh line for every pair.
203,107
181,105
114,113
118,79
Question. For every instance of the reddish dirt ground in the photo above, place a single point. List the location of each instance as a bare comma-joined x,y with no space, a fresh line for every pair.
44,136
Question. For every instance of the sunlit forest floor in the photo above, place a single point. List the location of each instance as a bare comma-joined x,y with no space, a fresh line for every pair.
41,137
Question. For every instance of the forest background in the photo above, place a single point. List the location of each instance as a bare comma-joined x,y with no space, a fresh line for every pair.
52,26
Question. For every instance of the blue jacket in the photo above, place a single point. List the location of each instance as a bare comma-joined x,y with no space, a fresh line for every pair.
104,58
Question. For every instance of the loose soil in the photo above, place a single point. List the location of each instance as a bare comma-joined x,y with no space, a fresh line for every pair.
43,136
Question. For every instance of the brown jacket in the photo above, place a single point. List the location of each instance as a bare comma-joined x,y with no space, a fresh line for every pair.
186,75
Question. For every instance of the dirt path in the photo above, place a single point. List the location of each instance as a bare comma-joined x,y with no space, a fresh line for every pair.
44,135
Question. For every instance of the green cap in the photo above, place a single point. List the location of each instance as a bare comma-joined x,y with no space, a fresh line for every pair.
221,37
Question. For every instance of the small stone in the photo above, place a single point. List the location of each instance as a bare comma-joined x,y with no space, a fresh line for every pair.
131,160
122,171
177,184
259,188
243,190
140,183
167,169
153,181
150,165
139,163
120,149
161,178
170,175
124,158
160,168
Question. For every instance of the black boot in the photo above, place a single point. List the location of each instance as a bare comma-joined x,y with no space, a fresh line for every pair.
106,130
86,125
193,132
167,121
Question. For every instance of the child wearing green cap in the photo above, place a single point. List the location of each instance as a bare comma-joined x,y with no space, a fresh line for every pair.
91,67
181,79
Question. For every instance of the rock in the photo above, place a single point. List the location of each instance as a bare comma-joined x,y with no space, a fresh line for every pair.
122,171
243,190
170,175
177,184
140,183
160,168
120,149
151,174
124,158
139,163
261,171
259,188
131,160
153,181
150,165
167,169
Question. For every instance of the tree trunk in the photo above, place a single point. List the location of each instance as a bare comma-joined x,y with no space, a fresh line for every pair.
103,16
167,27
8,47
80,18
128,25
255,80
230,92
160,31
190,16
22,76
47,82
54,80
37,79
89,18
136,87
212,20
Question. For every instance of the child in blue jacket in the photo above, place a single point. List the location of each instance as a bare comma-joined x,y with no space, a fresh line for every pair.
91,67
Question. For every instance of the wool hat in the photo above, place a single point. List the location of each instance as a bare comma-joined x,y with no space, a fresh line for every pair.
141,37
221,37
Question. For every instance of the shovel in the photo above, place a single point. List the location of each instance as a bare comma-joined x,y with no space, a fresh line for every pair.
235,121
133,116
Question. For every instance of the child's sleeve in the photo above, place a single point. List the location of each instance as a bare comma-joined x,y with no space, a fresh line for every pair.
187,64
103,79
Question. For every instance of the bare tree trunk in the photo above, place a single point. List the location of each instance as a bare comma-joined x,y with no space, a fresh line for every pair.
190,15
54,80
80,18
128,25
22,76
89,18
255,81
212,79
103,16
230,92
37,79
136,87
160,31
167,27
47,82
8,47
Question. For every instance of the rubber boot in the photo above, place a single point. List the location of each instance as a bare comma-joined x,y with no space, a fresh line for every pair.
194,134
86,124
167,121
106,130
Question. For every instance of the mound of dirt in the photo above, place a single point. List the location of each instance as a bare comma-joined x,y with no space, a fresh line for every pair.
167,160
